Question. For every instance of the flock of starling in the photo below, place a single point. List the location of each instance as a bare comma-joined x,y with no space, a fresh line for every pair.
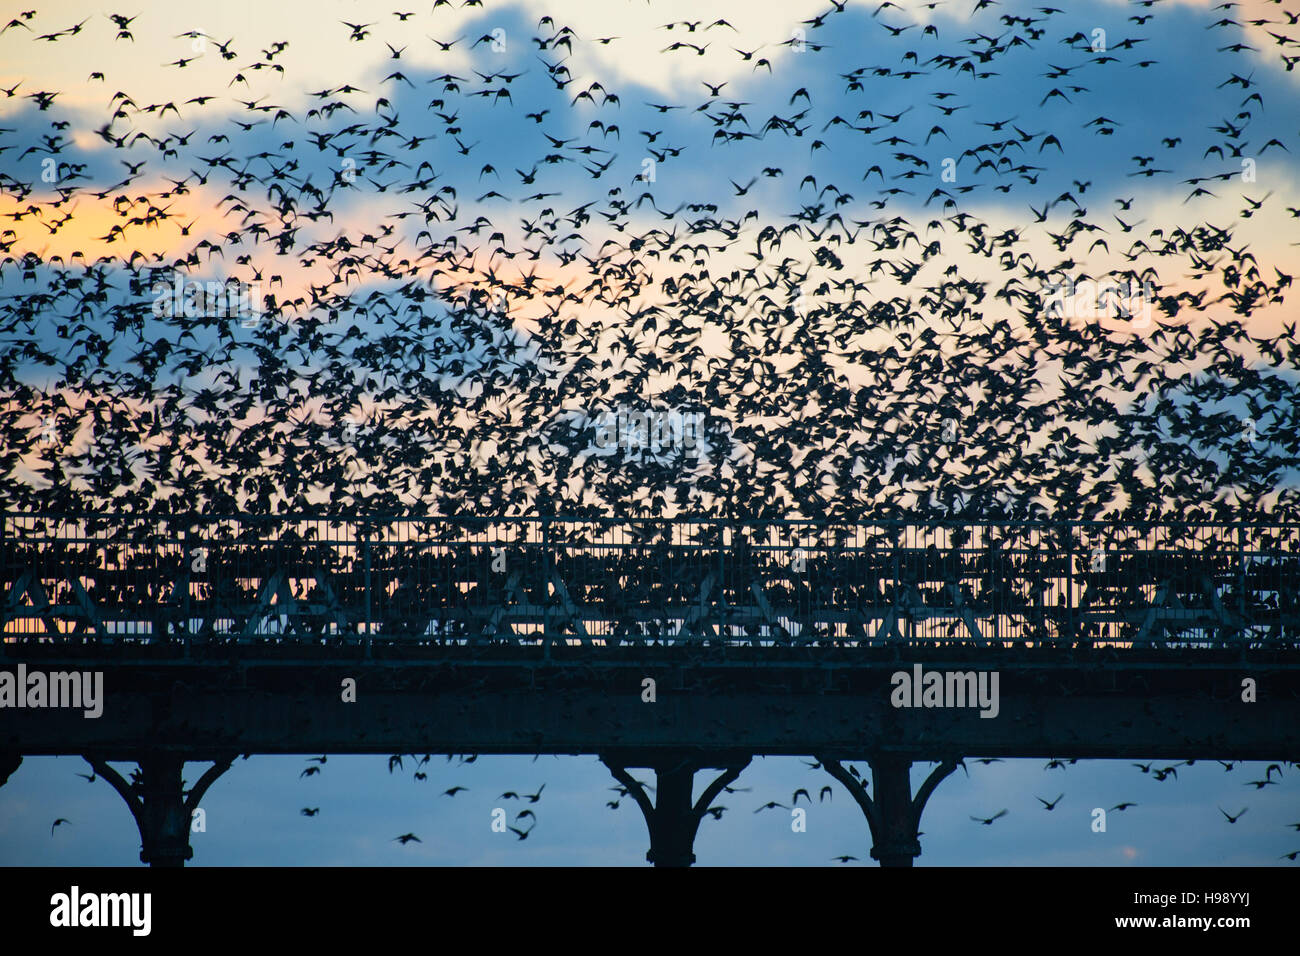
458,270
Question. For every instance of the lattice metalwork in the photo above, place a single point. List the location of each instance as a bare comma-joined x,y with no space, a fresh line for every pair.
305,578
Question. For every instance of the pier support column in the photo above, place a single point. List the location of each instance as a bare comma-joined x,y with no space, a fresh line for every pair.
160,804
894,815
672,818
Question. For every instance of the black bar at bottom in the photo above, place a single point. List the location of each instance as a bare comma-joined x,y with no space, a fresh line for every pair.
397,905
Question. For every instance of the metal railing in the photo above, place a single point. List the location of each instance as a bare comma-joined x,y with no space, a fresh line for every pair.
530,581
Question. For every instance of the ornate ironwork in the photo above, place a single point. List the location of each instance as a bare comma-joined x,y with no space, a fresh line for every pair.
537,581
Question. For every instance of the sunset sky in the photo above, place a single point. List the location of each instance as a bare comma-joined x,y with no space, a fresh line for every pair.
632,187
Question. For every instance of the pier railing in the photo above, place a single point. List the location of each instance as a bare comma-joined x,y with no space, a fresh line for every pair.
537,581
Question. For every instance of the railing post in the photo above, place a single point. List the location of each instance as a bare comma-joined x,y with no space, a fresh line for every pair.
726,541
547,568
369,628
1069,586
4,554
1241,574
188,583
896,545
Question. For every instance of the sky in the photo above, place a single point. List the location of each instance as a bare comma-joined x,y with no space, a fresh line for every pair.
820,110
797,86
253,816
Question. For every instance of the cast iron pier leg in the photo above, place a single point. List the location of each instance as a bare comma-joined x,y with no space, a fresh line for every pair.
162,808
672,818
894,816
